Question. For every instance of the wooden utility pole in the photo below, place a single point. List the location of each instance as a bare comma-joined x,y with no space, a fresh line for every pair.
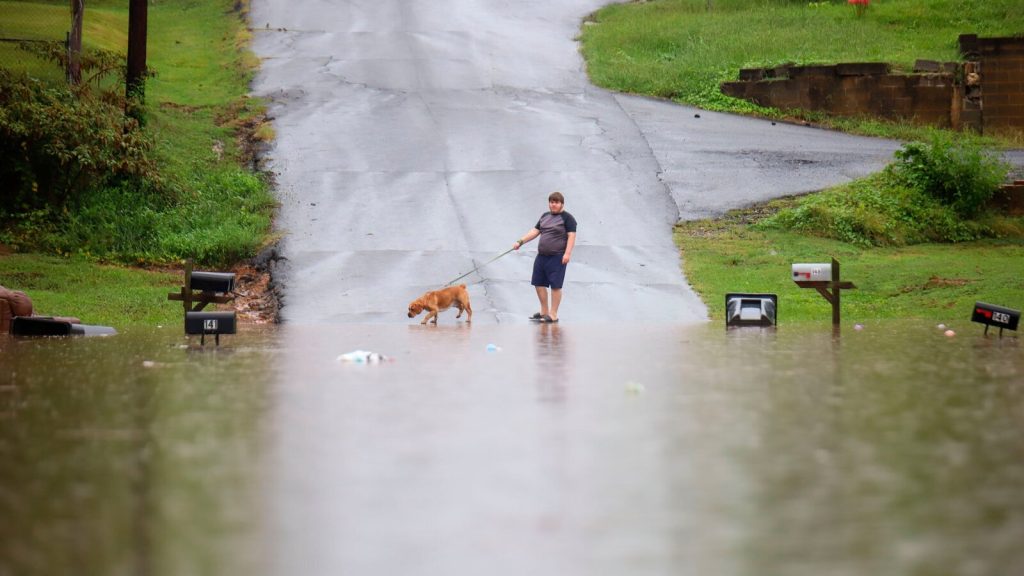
75,42
136,78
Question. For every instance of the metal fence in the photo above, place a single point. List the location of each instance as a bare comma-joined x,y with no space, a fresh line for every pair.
35,34
28,30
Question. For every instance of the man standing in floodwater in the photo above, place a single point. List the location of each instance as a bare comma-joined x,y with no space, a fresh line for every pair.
557,231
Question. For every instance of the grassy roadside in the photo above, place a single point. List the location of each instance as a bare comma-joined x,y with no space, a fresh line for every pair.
683,49
936,282
218,209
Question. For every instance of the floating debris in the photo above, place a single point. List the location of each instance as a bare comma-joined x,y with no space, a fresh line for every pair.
362,357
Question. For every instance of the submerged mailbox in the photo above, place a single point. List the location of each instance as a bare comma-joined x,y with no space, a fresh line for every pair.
204,323
49,326
750,309
998,316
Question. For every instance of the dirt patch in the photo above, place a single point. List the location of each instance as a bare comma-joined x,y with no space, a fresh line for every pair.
937,282
256,301
251,126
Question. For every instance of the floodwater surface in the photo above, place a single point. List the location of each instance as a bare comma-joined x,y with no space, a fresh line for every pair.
494,449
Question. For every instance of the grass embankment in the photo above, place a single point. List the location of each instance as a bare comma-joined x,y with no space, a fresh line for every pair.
210,204
878,228
684,49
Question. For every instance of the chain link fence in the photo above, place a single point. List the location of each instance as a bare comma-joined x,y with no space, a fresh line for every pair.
35,35
29,30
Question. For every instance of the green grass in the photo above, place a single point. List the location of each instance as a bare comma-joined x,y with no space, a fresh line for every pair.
196,104
196,50
938,282
96,294
679,49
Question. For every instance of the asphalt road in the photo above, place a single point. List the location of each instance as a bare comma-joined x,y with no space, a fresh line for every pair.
417,140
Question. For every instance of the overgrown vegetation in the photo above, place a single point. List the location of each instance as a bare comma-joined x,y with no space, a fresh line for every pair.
81,177
935,191
683,49
58,142
959,174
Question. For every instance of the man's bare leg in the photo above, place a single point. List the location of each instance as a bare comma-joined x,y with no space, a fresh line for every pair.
542,295
556,299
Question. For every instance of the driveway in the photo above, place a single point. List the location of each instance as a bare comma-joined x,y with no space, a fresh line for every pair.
417,140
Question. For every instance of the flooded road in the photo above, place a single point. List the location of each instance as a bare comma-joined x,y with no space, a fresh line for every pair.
566,449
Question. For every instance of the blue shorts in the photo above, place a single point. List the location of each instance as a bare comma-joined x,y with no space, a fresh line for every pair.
549,271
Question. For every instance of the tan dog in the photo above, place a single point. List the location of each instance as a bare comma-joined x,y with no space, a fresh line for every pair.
436,300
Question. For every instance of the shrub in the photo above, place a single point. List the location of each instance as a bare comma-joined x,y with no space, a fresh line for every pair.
960,174
58,142
882,210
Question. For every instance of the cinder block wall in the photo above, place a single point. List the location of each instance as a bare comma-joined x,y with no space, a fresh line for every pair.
985,92
865,89
1002,78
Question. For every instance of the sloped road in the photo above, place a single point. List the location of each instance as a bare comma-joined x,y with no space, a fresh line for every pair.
416,140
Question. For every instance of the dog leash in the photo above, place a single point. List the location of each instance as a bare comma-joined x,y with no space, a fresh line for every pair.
480,266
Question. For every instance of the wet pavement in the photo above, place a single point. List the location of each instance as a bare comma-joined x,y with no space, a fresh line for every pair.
417,140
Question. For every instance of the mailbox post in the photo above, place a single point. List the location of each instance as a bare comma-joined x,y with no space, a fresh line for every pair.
826,280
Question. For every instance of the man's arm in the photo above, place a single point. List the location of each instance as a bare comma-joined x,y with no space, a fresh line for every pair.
569,243
526,238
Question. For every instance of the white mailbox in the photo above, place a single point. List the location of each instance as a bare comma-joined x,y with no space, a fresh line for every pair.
812,272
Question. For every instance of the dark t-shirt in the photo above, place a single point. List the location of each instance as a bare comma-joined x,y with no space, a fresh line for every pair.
554,232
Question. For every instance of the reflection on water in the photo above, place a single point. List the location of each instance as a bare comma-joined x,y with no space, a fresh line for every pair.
553,363
551,449
129,454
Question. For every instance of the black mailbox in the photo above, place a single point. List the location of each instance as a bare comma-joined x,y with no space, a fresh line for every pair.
209,322
36,326
998,316
203,323
220,282
48,326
